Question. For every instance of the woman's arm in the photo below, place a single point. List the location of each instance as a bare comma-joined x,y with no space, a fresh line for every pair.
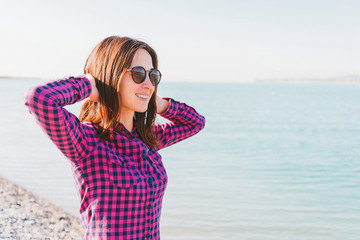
46,102
185,122
161,105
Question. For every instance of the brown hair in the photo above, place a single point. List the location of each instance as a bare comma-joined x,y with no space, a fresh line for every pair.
107,63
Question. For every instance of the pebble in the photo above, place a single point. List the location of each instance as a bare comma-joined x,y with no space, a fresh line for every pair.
23,215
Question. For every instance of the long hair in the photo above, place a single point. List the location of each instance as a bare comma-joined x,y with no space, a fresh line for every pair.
107,63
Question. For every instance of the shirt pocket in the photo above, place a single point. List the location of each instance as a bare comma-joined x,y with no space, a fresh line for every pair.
157,165
122,171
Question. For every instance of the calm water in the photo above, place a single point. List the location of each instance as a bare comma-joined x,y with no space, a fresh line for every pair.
275,161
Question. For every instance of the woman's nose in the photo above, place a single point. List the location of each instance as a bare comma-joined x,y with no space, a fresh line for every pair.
147,83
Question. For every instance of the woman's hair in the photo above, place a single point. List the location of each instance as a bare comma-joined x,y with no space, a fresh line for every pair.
107,63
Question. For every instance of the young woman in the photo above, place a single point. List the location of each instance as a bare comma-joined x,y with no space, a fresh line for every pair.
113,145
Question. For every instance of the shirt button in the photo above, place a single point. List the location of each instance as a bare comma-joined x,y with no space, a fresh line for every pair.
148,207
148,235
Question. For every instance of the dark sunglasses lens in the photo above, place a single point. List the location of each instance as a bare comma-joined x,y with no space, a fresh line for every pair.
138,74
155,76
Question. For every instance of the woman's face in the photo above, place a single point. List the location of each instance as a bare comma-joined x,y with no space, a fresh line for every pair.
135,97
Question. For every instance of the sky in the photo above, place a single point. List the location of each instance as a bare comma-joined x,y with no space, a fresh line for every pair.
196,41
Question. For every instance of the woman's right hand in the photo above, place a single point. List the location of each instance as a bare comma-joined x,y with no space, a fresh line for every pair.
94,95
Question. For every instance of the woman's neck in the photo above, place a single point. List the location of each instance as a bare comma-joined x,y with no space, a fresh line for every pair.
126,119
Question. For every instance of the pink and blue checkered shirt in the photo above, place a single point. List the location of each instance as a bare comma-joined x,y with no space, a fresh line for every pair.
121,183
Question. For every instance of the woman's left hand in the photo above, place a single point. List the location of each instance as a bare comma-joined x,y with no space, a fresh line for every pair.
161,105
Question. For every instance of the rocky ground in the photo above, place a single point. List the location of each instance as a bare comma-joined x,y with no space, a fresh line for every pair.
24,215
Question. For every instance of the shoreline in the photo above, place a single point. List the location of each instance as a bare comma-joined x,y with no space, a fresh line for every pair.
255,80
24,215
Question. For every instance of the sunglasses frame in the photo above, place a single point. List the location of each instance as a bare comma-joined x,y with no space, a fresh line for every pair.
146,71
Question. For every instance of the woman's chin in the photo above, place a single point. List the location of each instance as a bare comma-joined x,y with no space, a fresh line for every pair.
141,110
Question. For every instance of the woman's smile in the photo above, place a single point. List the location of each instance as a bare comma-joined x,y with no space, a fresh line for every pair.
142,96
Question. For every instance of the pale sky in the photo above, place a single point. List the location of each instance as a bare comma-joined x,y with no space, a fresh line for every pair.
218,41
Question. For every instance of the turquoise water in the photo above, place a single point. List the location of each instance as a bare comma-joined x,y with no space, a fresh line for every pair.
275,160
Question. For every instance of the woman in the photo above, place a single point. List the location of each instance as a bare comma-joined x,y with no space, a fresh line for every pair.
113,145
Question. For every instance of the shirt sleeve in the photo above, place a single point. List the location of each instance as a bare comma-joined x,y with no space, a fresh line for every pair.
46,102
184,123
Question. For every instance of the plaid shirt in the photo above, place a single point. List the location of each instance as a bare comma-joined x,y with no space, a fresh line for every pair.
121,182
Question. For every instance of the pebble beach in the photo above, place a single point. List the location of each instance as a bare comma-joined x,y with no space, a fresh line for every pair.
23,215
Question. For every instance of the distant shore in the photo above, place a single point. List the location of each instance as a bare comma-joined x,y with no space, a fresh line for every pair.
346,79
23,215
10,77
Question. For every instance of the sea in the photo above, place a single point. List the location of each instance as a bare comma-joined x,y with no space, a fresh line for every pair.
275,160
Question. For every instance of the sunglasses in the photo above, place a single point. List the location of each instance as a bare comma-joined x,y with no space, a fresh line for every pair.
138,74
